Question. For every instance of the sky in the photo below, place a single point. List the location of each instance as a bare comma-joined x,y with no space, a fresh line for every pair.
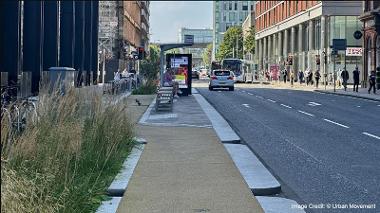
167,17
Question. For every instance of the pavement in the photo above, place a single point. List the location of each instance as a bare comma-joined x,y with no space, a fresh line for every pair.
322,148
184,166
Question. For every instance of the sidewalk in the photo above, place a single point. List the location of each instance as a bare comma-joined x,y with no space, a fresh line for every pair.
184,167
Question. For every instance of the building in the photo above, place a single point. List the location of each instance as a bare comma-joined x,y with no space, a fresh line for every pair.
202,37
246,26
123,28
304,30
225,15
371,29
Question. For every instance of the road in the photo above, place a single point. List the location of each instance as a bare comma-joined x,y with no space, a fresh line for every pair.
323,148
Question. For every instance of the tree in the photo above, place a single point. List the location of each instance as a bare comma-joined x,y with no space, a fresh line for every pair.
150,66
232,38
249,41
206,56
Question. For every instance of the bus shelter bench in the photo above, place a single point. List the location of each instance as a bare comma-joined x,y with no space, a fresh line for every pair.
164,99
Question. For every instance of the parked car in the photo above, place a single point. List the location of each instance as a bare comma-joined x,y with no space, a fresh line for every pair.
195,74
221,79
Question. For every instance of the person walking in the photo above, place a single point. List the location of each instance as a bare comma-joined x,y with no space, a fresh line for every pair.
284,75
311,78
300,76
345,76
307,74
291,77
317,77
372,82
356,74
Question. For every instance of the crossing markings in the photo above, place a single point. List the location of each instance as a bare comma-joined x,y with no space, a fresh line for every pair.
336,123
286,106
371,135
306,113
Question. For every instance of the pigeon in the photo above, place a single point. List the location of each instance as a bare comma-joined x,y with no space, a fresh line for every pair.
138,102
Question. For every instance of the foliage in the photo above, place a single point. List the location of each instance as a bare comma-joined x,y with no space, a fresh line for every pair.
249,41
66,160
232,38
206,56
147,89
150,66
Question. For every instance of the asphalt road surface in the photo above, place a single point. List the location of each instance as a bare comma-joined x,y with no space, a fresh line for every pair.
325,149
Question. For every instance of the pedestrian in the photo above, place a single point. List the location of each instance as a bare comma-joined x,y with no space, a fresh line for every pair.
117,76
317,77
372,82
284,74
300,76
307,74
311,78
356,74
291,77
345,76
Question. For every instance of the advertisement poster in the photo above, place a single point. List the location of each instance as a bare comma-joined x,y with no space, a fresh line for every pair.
274,70
180,69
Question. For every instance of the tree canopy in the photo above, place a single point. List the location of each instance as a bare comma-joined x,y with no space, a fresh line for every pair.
249,41
232,38
206,56
150,66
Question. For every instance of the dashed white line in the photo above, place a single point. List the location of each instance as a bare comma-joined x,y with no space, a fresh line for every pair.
315,103
273,101
358,106
333,122
250,94
258,96
306,113
286,106
371,135
246,105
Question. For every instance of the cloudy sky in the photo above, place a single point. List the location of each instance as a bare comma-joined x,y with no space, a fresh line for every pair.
166,17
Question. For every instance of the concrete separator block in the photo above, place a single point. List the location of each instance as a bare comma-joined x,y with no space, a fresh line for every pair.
224,131
279,205
258,178
120,183
140,140
109,206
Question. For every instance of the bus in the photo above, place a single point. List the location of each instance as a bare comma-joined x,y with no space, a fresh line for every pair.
235,65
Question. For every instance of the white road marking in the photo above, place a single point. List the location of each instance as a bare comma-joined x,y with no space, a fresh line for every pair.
258,96
333,122
306,113
286,106
378,105
371,135
246,105
313,104
271,100
250,94
358,106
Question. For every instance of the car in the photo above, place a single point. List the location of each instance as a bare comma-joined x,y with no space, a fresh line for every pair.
195,74
221,79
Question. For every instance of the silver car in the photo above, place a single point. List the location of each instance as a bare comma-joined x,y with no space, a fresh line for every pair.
221,79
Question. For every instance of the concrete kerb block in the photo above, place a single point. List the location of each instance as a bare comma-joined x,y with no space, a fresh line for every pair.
256,175
279,205
140,140
120,183
109,206
146,114
223,130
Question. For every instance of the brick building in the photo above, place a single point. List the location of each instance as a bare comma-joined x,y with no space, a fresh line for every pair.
371,29
305,30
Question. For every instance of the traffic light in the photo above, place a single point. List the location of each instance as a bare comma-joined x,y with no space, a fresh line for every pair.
141,53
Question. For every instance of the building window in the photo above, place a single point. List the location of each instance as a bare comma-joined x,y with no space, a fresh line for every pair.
230,6
378,51
235,6
317,34
245,5
232,16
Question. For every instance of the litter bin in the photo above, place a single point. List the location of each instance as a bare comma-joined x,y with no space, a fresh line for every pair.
59,78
